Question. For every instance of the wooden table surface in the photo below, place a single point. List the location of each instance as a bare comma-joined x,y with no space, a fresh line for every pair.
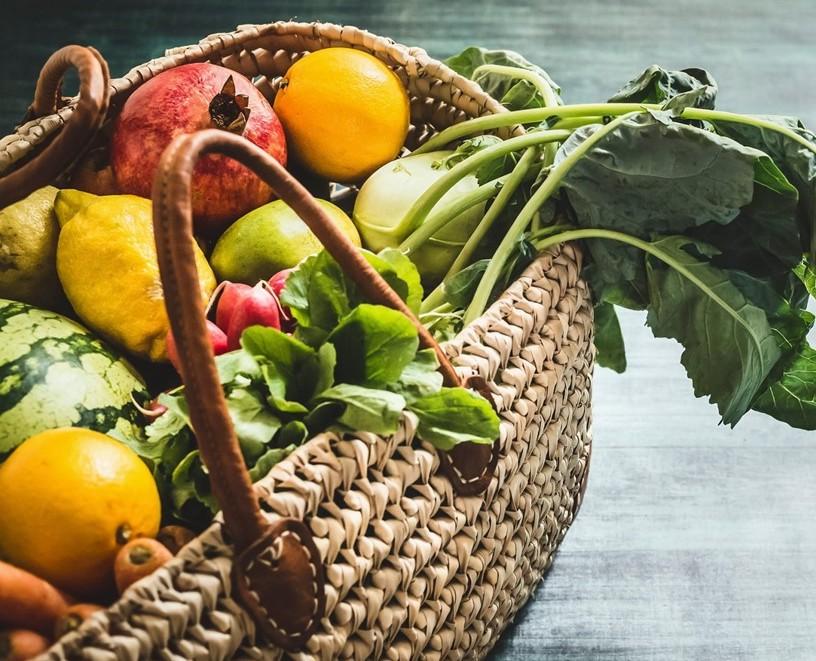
695,541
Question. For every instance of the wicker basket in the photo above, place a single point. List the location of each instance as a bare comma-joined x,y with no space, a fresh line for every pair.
372,547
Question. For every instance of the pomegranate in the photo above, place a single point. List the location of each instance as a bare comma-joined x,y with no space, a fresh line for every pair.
186,99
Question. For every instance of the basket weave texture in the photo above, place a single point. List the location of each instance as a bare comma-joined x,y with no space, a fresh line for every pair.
412,570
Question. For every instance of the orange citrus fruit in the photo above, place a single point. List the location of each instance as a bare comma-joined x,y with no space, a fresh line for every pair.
69,500
345,113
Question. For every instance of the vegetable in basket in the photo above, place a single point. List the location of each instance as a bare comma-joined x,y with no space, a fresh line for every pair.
705,219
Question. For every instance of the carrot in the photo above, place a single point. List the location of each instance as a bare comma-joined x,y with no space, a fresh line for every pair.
28,601
175,537
137,559
20,644
73,618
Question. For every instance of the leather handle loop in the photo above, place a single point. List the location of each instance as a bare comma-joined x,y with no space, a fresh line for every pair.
172,217
79,128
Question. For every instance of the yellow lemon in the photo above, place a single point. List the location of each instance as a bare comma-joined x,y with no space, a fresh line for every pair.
345,113
107,263
69,500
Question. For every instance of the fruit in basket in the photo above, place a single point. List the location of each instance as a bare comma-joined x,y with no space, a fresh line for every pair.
186,99
345,113
231,295
28,250
137,559
69,500
106,260
218,341
54,373
269,239
386,197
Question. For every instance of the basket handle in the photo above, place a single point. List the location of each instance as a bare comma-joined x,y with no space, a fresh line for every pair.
264,550
80,127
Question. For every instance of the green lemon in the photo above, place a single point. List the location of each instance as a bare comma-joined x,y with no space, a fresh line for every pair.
269,239
28,250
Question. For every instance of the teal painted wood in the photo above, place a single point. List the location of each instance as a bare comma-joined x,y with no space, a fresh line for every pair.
695,541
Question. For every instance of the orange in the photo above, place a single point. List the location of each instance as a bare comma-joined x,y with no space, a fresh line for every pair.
69,500
345,113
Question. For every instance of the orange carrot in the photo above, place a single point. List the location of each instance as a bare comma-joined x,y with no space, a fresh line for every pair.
20,644
28,601
73,618
137,559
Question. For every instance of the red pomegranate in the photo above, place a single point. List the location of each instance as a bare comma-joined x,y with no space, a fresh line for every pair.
186,99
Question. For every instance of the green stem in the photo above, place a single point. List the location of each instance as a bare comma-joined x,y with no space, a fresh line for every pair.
537,115
438,218
551,183
513,181
576,235
423,205
572,123
536,80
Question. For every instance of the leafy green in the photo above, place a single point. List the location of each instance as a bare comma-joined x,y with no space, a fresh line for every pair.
373,344
513,94
611,351
729,346
807,274
791,397
455,415
674,90
358,369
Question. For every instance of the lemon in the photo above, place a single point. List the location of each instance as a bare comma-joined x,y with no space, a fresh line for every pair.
106,260
345,113
28,250
69,499
269,239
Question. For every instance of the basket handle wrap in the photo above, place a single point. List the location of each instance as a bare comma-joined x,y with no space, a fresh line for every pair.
80,127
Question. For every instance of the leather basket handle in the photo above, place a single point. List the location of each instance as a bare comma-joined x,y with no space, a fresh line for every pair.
79,128
280,559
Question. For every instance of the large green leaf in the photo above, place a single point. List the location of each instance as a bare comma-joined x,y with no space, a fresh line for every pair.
729,346
514,94
374,344
366,409
611,351
455,415
791,398
673,89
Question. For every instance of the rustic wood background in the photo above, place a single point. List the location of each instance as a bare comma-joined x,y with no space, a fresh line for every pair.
695,541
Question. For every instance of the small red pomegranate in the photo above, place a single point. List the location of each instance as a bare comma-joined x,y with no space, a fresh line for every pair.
186,99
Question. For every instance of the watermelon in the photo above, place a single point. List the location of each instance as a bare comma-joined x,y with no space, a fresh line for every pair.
54,373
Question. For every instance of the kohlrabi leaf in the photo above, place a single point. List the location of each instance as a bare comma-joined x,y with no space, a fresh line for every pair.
807,274
653,176
675,90
374,344
455,415
729,346
366,409
514,94
609,345
404,270
791,397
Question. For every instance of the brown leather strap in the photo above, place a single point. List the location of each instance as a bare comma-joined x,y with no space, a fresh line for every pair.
80,127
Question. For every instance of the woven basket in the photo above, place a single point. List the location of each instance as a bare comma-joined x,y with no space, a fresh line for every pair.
400,562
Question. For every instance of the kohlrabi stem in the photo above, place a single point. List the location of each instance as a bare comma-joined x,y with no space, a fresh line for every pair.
535,79
572,123
440,217
576,235
513,181
550,185
537,115
423,205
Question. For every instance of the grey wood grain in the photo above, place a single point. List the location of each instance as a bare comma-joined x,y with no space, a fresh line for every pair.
695,541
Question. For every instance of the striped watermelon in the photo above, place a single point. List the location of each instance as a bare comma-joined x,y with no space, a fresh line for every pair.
54,373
